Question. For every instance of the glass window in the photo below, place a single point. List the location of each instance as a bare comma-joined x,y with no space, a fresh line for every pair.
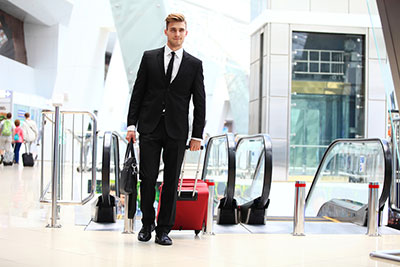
327,95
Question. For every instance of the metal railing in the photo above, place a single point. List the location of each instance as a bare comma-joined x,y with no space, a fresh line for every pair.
59,137
120,137
394,190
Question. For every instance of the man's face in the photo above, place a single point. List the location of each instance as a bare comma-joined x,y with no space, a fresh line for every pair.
176,34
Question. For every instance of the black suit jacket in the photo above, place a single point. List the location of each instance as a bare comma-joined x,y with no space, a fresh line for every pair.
151,90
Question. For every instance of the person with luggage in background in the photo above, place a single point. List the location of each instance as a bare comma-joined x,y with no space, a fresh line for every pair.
167,79
6,135
17,140
30,132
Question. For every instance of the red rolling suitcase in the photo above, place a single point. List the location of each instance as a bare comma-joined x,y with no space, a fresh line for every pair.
191,206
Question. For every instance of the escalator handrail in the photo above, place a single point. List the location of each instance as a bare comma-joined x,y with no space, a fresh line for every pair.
387,161
117,134
117,169
109,139
230,146
267,155
105,167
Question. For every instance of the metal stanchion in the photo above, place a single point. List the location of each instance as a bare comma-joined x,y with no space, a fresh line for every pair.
373,209
299,208
210,208
129,224
42,155
73,154
55,169
81,159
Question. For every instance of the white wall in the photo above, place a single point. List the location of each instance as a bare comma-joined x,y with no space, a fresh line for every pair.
65,44
112,112
41,44
376,117
328,6
16,76
81,55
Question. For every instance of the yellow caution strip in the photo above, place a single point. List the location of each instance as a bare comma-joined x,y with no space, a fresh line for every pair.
331,219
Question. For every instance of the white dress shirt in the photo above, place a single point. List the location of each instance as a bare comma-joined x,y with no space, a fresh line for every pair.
177,60
175,69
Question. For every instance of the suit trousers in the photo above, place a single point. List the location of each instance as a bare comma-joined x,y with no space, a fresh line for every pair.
172,153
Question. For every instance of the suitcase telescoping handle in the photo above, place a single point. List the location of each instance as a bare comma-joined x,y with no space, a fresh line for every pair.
183,172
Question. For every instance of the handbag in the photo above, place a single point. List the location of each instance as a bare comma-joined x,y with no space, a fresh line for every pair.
129,172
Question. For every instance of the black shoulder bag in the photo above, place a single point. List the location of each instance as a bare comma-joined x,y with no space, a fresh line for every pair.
129,172
128,182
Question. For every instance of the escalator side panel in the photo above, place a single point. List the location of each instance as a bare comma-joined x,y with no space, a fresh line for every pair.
345,199
227,214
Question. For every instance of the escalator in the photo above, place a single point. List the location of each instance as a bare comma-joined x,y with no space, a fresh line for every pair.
105,210
242,173
339,191
111,206
219,166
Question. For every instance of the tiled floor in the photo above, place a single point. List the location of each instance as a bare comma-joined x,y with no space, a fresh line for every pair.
25,241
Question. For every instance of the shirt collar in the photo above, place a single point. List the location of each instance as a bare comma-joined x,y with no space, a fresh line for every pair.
178,53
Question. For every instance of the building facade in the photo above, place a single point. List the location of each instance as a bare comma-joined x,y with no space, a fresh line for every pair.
315,77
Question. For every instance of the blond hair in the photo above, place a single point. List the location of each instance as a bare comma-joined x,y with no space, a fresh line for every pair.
174,17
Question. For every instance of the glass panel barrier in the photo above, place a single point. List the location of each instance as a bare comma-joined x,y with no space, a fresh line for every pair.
216,165
340,186
219,166
253,177
248,184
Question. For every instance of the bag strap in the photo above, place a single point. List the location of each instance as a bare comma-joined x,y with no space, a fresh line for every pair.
30,126
130,150
134,162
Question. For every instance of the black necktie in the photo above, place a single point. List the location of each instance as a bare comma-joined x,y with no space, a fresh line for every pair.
170,66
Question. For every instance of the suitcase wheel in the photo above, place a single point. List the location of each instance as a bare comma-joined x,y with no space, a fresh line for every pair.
197,232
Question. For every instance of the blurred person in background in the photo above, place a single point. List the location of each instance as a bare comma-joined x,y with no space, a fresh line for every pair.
17,140
30,132
6,131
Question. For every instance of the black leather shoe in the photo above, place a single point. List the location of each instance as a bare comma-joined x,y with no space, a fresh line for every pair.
145,233
163,239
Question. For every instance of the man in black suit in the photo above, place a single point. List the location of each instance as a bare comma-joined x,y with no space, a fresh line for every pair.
167,79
